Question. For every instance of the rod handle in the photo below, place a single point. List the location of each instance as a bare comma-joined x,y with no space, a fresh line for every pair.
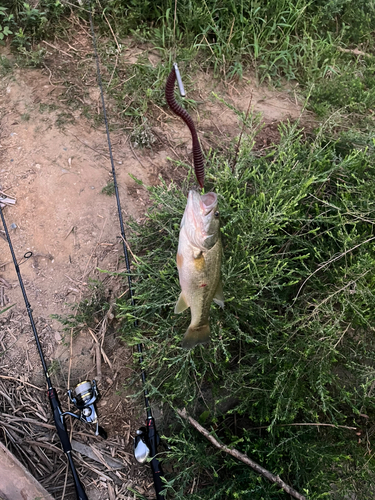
157,473
80,492
59,422
65,441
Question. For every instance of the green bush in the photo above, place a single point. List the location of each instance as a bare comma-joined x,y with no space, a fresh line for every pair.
354,90
6,22
30,24
278,37
295,342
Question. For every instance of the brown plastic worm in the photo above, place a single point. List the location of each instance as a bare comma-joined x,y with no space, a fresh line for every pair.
182,113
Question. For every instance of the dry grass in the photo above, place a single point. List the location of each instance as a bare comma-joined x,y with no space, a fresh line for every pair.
27,430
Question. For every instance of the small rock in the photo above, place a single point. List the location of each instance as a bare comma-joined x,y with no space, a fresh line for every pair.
13,226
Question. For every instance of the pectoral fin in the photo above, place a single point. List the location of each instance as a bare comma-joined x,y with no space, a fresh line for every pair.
219,295
197,253
181,304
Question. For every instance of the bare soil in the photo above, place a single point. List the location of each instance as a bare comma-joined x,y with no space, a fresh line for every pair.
55,163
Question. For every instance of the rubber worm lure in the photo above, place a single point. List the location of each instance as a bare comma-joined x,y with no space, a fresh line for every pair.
182,113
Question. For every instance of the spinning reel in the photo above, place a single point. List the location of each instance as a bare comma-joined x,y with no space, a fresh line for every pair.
141,446
83,397
147,441
146,444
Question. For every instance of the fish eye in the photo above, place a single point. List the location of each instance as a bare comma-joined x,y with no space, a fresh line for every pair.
216,214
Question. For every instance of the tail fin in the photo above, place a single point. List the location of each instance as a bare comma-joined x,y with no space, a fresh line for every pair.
195,336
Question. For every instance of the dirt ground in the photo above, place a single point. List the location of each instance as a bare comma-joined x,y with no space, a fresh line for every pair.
54,162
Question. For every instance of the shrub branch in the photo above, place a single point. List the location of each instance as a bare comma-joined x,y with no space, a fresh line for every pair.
241,456
333,259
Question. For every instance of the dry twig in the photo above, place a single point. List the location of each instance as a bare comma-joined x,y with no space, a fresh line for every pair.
105,357
22,382
241,456
56,48
95,454
330,262
355,52
110,27
307,424
98,357
35,444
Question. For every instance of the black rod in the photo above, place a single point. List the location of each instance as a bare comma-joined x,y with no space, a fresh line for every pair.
52,394
156,468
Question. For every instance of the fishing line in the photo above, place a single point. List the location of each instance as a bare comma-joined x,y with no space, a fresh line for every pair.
147,439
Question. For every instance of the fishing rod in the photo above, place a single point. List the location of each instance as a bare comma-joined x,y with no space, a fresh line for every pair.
147,439
83,396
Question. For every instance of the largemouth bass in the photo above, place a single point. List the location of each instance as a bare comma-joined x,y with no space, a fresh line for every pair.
198,263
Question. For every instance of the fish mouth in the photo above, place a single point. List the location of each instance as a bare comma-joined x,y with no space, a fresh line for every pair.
200,223
209,202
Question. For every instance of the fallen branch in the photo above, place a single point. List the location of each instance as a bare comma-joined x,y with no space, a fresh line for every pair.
105,357
20,380
355,52
307,424
98,357
56,48
5,283
110,27
241,456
